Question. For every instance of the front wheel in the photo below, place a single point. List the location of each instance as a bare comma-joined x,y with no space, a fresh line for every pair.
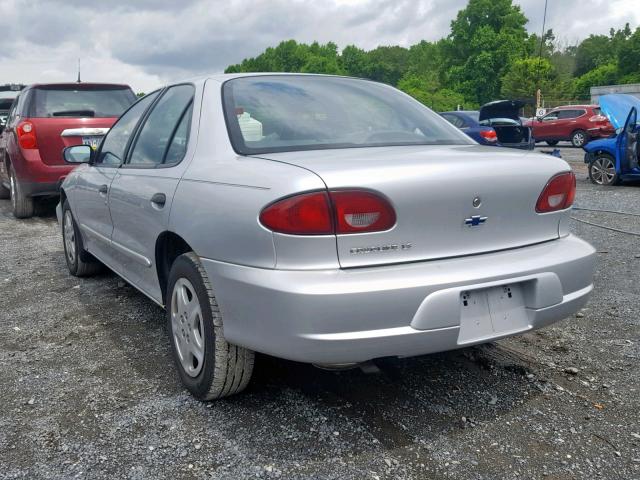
208,365
602,170
579,138
80,262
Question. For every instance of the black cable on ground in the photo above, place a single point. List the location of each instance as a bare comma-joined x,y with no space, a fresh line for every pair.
617,212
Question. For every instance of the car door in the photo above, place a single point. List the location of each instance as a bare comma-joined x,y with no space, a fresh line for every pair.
142,191
90,201
627,144
545,128
567,122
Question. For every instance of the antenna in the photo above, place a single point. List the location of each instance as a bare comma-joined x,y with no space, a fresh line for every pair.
78,71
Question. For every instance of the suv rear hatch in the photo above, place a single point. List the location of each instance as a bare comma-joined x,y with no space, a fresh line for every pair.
432,189
70,114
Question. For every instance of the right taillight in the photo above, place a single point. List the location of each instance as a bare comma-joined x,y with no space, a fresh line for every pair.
489,135
26,135
558,194
598,118
328,213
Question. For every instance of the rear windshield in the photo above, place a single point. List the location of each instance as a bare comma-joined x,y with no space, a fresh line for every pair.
597,111
286,113
81,102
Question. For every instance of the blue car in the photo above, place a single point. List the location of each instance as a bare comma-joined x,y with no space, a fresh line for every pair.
468,122
615,159
496,123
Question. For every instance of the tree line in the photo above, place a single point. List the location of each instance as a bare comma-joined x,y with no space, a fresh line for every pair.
487,55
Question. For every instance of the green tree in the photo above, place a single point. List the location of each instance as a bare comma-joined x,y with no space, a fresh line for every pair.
526,75
486,37
428,92
603,75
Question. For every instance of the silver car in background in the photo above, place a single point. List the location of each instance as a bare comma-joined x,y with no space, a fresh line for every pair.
320,219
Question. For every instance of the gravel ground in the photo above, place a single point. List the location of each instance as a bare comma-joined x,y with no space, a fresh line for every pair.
88,389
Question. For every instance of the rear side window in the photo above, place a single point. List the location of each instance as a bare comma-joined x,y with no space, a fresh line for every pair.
566,114
454,120
73,101
163,137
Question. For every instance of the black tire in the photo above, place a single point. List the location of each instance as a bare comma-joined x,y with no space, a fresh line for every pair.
552,143
80,262
22,205
225,369
602,170
579,138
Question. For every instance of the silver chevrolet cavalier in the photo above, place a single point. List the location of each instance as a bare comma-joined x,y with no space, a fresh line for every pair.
320,219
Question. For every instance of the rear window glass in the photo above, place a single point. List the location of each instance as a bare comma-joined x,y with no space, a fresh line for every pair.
296,112
597,111
81,102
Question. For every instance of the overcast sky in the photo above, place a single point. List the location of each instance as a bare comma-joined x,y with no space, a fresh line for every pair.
149,42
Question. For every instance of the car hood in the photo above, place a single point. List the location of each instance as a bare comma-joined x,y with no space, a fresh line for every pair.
616,107
502,109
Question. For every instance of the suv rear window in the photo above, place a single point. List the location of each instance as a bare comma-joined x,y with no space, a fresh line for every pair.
71,101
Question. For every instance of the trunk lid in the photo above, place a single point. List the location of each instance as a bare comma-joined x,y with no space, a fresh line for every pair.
501,109
54,134
433,190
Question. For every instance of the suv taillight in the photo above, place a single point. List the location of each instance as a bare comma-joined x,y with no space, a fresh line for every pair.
598,118
558,194
26,135
328,213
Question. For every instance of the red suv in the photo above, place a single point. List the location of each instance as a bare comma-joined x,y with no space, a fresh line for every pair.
575,123
43,120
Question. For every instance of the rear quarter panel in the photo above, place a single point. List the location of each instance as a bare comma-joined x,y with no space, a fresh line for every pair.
218,200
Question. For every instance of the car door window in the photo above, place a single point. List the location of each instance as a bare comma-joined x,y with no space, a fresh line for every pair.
550,117
114,145
163,133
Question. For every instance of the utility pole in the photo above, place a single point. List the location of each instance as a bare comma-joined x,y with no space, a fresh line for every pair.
78,70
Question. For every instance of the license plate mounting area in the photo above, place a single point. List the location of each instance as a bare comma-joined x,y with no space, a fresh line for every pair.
492,312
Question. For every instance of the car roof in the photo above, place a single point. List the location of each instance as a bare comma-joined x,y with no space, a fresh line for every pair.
571,107
78,84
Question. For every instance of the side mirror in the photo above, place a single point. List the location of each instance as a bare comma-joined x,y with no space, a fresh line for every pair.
78,154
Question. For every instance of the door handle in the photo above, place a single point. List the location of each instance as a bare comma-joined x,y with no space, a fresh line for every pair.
159,199
103,190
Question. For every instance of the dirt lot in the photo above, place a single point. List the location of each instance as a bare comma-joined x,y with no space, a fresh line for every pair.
88,389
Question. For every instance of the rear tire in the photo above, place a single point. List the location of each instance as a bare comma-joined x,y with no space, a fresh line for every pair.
552,143
579,138
22,205
80,262
602,170
208,365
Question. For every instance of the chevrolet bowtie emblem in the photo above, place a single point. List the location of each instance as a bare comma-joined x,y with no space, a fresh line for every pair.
475,220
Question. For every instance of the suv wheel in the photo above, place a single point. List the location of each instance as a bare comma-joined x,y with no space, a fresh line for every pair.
208,365
579,138
602,170
80,262
22,205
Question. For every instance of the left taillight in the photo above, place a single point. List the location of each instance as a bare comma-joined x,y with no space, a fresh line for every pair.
328,213
26,132
558,194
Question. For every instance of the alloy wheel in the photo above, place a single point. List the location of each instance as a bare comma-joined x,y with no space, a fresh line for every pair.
69,234
603,171
579,139
187,327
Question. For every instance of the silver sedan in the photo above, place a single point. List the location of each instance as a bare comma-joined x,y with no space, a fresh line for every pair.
320,219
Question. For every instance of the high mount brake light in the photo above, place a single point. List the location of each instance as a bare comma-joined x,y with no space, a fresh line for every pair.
26,135
329,213
558,194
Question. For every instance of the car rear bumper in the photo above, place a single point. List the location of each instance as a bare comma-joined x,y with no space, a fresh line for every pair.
353,315
37,178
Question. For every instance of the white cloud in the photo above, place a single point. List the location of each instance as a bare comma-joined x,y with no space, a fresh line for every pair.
148,42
